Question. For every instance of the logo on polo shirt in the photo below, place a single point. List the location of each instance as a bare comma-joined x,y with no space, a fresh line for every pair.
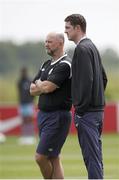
50,149
43,69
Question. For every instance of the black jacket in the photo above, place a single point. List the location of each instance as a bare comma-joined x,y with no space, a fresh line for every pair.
88,78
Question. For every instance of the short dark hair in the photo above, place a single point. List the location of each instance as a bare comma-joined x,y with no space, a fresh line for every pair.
77,19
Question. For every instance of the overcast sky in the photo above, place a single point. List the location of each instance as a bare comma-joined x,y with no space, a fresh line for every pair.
24,20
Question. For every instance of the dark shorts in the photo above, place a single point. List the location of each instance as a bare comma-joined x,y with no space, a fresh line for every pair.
53,130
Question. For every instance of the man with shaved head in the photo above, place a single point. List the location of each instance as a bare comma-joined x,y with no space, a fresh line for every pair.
53,86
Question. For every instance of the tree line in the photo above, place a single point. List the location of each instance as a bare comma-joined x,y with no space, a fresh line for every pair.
32,55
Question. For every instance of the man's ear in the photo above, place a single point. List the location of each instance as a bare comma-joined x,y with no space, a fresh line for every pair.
78,27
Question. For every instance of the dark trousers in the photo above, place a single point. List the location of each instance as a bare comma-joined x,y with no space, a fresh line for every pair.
89,128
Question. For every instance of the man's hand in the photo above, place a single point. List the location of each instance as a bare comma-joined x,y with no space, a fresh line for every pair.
33,86
38,83
34,90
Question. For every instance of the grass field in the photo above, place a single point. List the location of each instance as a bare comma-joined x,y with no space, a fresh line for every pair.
17,162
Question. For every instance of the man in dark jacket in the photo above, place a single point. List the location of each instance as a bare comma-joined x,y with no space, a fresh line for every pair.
88,83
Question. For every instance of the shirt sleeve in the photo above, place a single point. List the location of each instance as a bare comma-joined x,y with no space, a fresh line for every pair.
38,75
60,73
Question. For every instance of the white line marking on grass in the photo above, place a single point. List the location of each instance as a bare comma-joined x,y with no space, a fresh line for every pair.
5,157
20,168
16,158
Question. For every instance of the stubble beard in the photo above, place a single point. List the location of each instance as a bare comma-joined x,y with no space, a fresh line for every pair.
51,52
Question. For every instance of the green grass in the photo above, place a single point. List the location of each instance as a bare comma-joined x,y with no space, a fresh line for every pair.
17,162
112,86
8,89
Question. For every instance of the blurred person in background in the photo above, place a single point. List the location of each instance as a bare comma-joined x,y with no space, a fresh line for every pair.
26,108
88,84
53,86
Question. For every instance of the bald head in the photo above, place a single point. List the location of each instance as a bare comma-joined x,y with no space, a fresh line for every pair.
54,43
56,36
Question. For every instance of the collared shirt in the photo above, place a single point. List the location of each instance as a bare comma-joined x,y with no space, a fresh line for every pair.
84,37
59,73
55,61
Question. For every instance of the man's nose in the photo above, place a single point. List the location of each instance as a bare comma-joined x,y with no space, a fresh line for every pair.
46,44
65,31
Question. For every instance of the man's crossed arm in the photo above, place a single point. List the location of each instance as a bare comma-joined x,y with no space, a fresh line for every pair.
42,87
